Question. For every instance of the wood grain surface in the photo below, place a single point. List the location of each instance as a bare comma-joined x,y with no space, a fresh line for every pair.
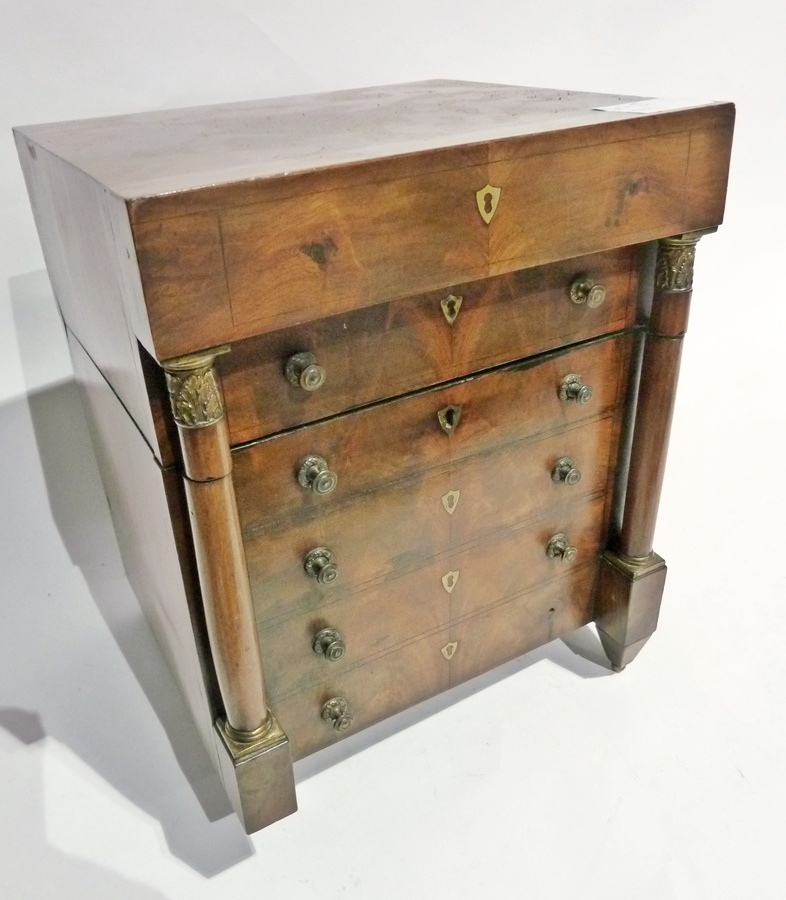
392,348
387,442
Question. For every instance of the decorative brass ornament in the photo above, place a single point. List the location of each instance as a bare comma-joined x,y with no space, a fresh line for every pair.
572,389
585,289
336,712
450,501
313,474
328,643
559,547
449,417
319,564
449,650
194,393
674,268
301,370
449,581
488,200
195,398
450,307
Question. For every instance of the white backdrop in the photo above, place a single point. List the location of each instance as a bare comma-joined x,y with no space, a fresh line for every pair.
559,781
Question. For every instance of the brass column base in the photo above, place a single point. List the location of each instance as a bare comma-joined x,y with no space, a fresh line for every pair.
257,775
627,604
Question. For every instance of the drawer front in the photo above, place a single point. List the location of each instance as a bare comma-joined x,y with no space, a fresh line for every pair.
529,620
400,528
446,589
393,348
498,491
379,536
587,198
302,258
379,689
370,623
391,441
409,674
486,573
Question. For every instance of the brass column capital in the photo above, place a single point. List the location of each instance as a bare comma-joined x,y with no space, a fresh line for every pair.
674,267
193,388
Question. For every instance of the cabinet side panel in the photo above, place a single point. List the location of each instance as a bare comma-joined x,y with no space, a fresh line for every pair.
86,241
146,509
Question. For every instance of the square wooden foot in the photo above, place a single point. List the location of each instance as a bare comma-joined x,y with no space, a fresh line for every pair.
258,776
627,604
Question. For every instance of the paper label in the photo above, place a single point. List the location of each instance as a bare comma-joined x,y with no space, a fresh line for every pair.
655,105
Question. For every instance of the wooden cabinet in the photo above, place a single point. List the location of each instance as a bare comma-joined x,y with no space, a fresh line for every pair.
380,384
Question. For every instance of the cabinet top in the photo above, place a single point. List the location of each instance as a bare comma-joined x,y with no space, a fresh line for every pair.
149,154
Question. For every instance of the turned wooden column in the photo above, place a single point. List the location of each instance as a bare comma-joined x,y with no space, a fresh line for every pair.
257,770
632,574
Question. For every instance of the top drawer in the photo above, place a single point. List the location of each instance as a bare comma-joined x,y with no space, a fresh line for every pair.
219,265
404,345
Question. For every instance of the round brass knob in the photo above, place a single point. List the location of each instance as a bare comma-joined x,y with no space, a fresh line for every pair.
336,712
313,473
572,389
586,290
559,548
302,371
319,564
328,643
565,471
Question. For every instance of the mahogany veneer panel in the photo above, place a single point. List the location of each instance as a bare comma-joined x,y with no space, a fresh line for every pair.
393,348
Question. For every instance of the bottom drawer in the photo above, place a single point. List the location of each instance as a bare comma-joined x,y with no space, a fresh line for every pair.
523,623
399,679
372,692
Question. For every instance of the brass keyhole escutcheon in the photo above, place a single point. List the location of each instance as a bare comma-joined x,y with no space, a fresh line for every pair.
449,650
450,308
449,417
450,501
450,580
488,199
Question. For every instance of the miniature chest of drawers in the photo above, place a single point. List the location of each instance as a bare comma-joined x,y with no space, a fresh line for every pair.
380,384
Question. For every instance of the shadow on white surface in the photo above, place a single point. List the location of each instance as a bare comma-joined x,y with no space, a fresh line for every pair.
580,653
64,680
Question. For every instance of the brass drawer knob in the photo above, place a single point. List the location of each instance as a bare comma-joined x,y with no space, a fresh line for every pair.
313,473
559,548
586,290
565,471
572,389
328,643
336,712
302,371
319,564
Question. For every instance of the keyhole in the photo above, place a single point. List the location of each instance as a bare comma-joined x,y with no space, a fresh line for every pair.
451,501
488,201
450,419
451,579
452,308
